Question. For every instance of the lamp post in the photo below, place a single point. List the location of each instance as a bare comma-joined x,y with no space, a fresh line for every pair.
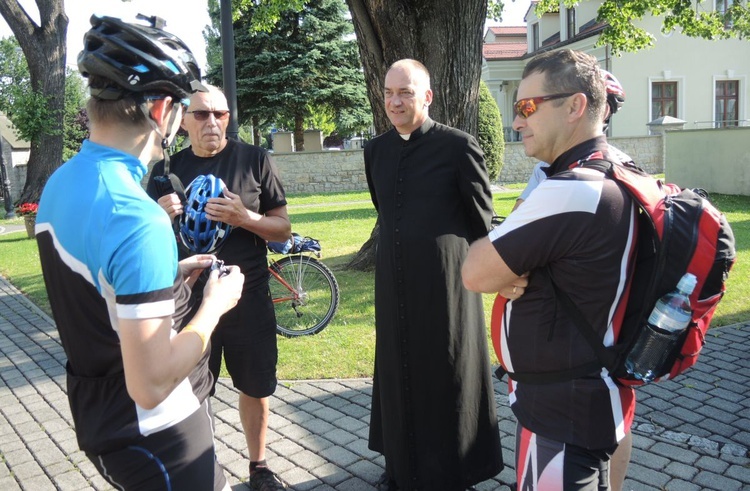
228,68
7,199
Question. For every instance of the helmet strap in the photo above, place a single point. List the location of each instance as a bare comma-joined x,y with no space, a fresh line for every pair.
165,139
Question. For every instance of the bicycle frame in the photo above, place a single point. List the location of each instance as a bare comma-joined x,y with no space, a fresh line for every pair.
292,290
304,293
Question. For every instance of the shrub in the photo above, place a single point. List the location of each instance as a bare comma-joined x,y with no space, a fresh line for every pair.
490,132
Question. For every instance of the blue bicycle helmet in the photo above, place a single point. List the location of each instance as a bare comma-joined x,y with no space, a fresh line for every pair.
198,233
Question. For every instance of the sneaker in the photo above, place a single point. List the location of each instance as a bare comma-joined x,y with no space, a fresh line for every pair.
264,479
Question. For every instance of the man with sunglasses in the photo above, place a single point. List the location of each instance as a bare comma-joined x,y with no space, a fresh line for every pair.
255,207
575,232
615,100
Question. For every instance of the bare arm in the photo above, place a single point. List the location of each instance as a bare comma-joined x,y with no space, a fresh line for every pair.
485,271
154,360
274,225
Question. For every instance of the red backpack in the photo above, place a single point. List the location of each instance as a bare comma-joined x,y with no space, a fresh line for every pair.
678,231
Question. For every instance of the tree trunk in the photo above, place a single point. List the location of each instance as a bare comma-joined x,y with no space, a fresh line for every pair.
299,133
44,47
446,36
364,260
256,130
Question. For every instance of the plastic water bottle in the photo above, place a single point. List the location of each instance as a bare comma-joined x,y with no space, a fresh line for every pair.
670,317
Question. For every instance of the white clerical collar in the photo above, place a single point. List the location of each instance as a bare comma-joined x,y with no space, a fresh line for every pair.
405,137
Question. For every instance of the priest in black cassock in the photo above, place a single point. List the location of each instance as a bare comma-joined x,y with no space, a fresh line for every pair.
433,407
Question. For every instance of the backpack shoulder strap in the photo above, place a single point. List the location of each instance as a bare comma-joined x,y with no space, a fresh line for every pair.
608,357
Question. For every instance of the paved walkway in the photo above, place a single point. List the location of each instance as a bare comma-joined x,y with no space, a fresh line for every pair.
691,434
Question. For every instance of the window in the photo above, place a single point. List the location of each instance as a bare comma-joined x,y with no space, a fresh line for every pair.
571,17
727,103
663,99
535,37
722,8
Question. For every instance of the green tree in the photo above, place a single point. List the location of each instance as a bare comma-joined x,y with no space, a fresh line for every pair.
302,68
14,72
490,132
689,16
28,112
75,120
27,109
44,48
447,36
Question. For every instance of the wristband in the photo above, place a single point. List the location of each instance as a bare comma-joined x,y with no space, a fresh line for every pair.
202,335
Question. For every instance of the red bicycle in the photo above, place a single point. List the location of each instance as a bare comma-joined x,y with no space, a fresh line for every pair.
304,290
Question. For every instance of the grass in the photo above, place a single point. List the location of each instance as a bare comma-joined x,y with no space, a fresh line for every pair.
343,222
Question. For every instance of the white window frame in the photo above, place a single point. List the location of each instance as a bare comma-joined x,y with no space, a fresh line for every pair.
568,11
727,5
681,85
536,34
741,91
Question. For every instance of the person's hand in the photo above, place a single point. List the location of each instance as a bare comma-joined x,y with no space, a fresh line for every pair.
229,209
223,292
192,267
516,289
171,204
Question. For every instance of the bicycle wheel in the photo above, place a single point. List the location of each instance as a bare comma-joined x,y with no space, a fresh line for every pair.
305,295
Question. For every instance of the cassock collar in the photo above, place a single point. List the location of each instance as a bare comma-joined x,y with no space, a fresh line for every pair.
580,152
419,132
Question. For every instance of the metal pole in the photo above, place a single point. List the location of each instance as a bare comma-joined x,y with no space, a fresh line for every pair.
228,67
7,198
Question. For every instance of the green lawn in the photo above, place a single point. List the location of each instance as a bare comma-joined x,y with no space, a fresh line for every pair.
343,222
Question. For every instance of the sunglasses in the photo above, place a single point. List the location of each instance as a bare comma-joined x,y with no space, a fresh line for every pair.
526,107
203,115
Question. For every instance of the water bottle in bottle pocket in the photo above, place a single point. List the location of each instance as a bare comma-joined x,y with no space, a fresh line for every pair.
659,337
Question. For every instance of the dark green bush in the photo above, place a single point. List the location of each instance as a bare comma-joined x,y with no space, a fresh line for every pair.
490,132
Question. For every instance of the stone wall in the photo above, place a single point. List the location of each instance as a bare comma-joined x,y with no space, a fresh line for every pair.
330,171
645,151
322,172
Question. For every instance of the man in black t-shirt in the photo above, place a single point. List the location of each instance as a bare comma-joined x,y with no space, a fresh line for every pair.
255,206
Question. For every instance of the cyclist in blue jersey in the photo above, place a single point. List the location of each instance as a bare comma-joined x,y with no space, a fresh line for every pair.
137,370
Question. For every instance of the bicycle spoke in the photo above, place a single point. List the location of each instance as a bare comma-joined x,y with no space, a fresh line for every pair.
311,302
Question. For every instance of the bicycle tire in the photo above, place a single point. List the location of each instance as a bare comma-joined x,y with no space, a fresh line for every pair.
316,300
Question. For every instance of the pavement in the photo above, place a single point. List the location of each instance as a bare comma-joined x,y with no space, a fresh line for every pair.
689,434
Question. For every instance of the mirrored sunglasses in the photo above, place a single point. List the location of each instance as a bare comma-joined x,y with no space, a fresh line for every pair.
203,115
526,107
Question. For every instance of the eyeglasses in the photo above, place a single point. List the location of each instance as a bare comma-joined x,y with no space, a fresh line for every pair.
526,107
200,115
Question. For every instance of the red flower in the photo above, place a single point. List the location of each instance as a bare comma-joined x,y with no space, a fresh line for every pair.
29,209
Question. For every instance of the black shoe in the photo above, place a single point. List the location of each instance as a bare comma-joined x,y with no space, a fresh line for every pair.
264,479
386,484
